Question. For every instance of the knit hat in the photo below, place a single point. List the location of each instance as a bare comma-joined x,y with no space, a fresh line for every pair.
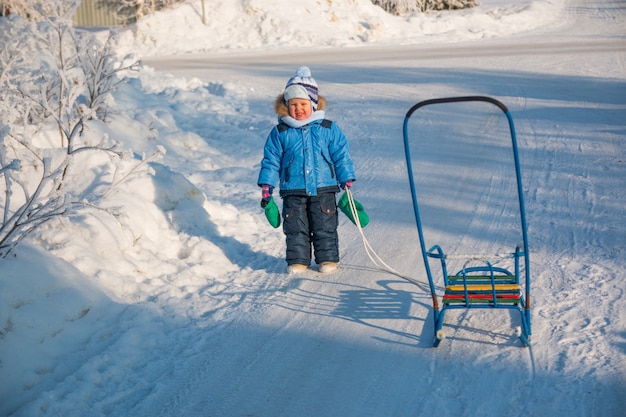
302,85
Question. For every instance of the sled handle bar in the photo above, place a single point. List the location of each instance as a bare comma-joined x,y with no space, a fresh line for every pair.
456,100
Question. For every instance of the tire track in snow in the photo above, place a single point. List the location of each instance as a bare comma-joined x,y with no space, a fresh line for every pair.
564,275
418,53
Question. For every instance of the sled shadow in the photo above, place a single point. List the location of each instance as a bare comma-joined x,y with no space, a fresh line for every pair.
372,307
373,304
392,310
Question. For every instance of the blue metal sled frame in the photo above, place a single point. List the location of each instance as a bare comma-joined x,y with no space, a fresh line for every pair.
483,286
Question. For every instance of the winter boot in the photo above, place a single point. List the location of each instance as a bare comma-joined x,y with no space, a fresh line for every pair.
328,267
296,268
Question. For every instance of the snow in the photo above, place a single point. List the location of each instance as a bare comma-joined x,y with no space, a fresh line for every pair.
258,24
180,306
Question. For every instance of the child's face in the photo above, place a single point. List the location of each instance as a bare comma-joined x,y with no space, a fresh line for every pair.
300,108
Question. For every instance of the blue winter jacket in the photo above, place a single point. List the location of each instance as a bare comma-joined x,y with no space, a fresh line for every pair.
306,160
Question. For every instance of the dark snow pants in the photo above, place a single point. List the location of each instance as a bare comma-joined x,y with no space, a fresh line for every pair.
311,221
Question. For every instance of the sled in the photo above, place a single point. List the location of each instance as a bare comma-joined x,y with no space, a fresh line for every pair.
478,284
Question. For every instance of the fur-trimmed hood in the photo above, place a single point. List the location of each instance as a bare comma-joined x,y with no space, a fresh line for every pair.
281,108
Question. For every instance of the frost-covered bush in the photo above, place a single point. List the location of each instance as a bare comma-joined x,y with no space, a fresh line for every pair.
37,9
127,11
400,7
55,93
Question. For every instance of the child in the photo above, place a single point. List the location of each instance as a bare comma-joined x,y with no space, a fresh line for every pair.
309,157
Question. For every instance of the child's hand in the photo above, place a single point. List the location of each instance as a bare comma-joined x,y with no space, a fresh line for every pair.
266,194
346,185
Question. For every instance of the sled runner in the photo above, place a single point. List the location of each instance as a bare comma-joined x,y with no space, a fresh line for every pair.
479,283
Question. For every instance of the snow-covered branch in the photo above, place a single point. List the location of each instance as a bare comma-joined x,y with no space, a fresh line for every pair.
401,7
54,79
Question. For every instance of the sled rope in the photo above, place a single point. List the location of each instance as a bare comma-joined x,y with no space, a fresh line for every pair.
375,258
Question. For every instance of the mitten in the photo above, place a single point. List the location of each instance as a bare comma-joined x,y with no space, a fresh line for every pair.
344,206
346,185
271,212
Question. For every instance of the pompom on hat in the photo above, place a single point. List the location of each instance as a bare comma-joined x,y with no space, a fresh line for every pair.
302,85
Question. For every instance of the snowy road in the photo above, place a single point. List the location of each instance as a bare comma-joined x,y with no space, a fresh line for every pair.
393,55
358,343
177,304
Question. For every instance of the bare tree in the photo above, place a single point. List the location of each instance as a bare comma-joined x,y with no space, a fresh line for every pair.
50,75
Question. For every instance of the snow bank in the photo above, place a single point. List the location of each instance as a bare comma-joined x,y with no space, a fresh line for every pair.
279,24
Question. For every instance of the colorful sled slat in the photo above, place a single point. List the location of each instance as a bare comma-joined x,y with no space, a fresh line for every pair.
480,296
482,299
483,288
479,303
476,279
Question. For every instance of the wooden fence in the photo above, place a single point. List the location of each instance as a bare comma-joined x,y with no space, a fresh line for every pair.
99,13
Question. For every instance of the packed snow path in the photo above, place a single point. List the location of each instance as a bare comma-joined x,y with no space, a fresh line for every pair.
205,323
314,346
